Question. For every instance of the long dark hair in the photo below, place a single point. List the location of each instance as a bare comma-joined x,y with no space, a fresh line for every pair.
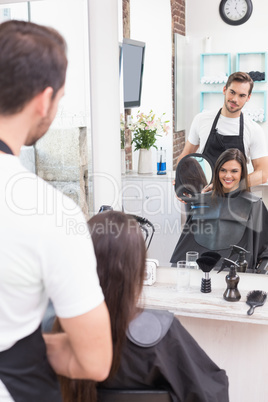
229,155
120,251
192,175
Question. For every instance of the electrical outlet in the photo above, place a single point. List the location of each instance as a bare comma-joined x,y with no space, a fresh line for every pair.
150,271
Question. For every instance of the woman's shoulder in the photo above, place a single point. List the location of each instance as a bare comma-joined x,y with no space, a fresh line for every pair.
250,196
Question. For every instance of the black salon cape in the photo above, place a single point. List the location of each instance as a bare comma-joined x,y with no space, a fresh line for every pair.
254,239
176,364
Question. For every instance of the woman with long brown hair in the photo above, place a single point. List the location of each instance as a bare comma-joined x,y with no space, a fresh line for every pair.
229,215
151,349
230,173
120,251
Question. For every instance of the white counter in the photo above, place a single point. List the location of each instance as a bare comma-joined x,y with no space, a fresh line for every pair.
235,341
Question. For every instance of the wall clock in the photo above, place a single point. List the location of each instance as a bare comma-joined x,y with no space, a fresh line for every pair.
235,12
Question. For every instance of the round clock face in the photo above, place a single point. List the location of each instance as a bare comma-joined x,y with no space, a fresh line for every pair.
235,12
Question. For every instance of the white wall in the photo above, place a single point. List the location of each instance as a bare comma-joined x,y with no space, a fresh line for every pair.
203,19
150,22
71,21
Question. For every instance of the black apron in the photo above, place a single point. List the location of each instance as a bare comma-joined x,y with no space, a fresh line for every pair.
24,368
216,143
26,372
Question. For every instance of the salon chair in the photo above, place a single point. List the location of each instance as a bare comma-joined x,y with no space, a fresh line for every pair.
125,395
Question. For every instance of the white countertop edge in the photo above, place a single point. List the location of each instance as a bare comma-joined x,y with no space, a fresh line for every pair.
194,303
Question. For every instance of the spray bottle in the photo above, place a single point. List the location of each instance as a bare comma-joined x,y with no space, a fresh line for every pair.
241,261
231,293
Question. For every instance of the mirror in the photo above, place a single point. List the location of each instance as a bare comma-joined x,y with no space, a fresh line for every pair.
193,173
63,156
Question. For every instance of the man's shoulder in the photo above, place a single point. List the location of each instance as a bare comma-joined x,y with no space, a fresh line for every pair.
208,113
206,116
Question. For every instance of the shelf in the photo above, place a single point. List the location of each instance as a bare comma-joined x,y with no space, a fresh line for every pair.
211,100
255,108
215,68
215,65
252,62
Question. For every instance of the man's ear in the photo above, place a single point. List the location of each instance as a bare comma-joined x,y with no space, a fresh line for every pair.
224,89
43,101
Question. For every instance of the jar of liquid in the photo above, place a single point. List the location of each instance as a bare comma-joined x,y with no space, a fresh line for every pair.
161,161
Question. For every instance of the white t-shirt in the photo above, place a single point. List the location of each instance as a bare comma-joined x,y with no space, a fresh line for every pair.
254,139
46,252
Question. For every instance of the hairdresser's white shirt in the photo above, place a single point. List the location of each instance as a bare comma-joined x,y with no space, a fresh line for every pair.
254,138
46,252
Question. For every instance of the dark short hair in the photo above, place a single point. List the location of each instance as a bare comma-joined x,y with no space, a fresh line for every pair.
229,155
32,58
240,77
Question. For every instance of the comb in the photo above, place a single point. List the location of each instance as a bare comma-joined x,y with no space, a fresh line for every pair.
255,298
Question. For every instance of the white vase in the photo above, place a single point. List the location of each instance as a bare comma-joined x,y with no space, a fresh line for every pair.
145,162
123,161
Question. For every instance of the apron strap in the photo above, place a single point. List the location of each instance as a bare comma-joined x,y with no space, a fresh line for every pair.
215,121
241,126
5,148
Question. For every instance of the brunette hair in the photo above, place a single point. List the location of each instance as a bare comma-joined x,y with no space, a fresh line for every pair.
120,251
192,175
33,57
229,155
240,77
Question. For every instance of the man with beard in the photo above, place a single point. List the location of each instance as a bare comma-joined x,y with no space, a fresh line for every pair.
41,257
214,132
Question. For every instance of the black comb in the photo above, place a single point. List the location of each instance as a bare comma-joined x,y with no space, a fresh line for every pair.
255,298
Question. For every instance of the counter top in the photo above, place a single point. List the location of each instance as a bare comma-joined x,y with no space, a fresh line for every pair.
194,303
135,175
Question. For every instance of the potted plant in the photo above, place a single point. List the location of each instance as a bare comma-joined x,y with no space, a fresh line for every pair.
145,131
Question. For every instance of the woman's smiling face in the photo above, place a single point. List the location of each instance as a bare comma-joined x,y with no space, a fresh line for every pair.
230,175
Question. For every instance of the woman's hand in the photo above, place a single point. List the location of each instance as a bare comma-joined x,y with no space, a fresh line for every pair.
183,202
207,188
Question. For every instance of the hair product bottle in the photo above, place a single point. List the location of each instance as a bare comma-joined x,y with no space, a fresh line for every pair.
231,293
241,260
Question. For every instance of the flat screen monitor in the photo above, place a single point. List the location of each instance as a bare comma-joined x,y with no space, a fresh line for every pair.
133,59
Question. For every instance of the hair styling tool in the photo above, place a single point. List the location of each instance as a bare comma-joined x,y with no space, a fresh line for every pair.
255,298
212,254
206,264
143,223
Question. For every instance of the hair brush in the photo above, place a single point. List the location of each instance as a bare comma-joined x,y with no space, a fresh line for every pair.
206,264
212,254
255,298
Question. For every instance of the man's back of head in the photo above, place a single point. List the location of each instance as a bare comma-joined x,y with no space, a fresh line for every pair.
33,57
